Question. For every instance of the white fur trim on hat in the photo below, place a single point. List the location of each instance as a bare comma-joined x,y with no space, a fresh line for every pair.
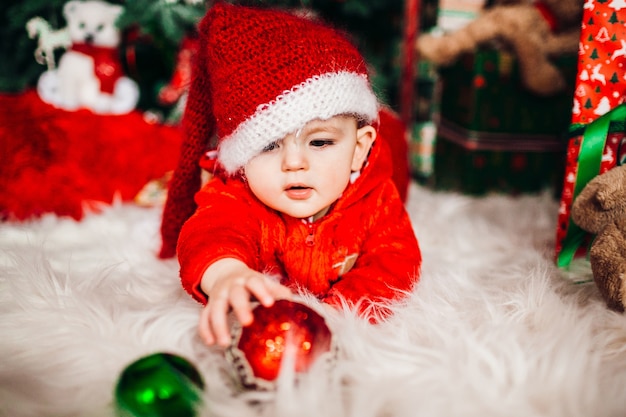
319,97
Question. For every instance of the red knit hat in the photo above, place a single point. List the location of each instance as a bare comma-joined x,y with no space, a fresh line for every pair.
260,75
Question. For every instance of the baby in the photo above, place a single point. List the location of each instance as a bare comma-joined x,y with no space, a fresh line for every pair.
301,198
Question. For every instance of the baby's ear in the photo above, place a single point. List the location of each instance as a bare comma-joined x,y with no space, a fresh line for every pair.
365,137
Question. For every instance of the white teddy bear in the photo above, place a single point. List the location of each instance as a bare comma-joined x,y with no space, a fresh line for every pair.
90,73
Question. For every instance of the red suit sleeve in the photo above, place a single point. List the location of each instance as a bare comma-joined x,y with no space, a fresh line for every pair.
211,234
389,264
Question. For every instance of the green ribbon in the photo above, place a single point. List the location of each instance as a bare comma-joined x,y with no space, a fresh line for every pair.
589,160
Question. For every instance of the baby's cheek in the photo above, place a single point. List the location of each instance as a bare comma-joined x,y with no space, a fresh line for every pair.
267,192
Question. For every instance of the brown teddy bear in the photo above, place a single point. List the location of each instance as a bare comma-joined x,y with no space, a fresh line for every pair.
534,30
600,208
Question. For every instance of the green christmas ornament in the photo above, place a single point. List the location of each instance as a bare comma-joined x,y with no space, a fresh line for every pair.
159,385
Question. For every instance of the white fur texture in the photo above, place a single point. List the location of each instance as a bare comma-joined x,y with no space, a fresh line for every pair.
493,329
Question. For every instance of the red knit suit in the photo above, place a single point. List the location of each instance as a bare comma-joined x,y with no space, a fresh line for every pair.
363,248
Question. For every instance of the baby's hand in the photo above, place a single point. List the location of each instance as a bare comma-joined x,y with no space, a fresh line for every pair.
229,283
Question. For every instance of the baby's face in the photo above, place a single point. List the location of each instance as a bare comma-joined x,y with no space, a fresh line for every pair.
308,170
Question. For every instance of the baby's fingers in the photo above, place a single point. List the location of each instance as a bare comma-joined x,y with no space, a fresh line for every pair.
216,322
279,291
204,330
240,302
266,290
203,327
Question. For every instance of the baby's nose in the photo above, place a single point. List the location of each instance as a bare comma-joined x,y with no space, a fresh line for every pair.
293,157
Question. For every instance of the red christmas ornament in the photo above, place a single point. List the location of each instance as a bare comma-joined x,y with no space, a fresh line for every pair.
286,334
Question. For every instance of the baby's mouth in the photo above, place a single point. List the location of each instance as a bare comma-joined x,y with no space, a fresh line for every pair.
298,191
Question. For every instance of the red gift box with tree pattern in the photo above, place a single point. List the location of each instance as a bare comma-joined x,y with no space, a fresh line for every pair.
597,139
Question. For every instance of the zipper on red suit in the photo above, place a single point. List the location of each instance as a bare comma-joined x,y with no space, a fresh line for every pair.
310,239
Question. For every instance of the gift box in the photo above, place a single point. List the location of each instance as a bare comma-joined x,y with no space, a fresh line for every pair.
482,92
592,150
479,163
493,135
601,81
597,121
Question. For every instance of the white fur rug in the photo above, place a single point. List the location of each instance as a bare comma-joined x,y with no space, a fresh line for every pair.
493,329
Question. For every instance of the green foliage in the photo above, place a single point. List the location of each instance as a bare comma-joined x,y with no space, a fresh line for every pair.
18,67
374,25
166,22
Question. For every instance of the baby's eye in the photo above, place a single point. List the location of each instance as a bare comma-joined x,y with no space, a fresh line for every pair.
82,25
270,147
321,143
100,27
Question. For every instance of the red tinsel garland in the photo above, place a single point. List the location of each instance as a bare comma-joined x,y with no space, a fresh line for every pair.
55,161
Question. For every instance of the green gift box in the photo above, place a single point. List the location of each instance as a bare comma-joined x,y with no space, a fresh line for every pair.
482,92
493,135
